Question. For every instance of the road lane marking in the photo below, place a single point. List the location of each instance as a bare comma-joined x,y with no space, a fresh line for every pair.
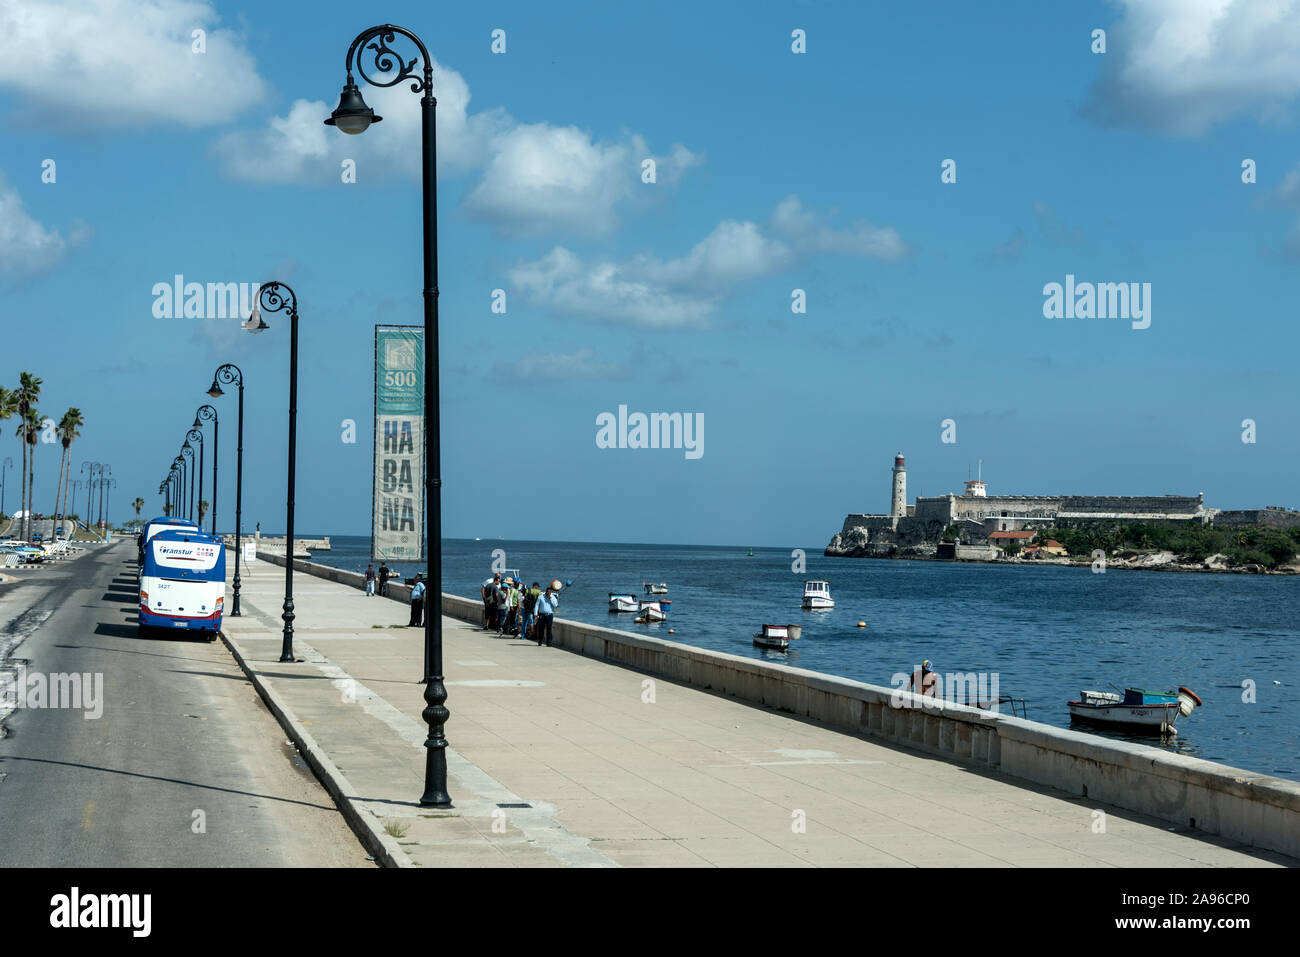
87,819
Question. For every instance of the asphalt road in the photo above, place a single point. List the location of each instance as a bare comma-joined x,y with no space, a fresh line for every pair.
185,767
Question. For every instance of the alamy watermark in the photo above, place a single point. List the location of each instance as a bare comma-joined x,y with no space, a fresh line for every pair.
930,689
179,299
1102,300
36,690
656,430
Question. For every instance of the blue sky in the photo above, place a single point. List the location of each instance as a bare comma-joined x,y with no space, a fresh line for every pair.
776,171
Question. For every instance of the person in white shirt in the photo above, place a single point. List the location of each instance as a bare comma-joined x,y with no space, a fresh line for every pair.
546,605
417,604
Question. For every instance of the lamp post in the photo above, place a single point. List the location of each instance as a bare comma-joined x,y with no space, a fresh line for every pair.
187,450
278,297
6,466
352,116
178,465
102,470
108,497
195,435
231,373
90,486
205,413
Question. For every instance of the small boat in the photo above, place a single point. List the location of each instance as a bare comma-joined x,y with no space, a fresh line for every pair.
817,594
1135,709
751,552
622,602
652,611
773,636
659,589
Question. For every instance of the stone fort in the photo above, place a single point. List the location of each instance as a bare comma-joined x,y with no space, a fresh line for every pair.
981,515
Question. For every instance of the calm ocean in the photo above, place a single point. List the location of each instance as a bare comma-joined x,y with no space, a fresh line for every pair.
1047,631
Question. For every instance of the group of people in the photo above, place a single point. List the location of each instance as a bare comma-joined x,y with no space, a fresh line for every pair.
382,576
512,609
508,606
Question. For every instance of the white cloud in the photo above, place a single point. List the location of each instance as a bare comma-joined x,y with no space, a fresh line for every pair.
734,252
299,148
1181,66
814,233
647,291
123,63
27,247
561,365
536,177
607,291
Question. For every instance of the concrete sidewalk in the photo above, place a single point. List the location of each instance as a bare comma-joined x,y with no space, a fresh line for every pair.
610,767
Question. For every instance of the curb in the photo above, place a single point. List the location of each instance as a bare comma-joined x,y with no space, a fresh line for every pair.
362,820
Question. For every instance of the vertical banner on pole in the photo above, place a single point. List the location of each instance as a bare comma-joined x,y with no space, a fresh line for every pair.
397,512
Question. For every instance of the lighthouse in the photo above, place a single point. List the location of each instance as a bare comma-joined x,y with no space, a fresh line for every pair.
898,502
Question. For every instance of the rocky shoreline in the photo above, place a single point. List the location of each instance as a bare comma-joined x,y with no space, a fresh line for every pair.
1145,561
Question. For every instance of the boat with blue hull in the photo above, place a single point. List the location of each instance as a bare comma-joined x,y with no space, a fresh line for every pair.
1135,710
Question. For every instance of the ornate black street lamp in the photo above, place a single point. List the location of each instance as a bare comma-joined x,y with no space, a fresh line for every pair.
204,414
195,435
229,373
353,116
108,498
99,522
187,450
90,487
278,297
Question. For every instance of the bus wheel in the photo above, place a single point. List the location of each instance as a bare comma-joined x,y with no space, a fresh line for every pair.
212,635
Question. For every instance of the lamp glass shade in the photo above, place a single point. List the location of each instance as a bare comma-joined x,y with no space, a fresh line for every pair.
215,391
352,115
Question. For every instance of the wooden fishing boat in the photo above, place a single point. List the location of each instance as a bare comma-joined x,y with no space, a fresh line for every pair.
1135,710
653,611
773,636
622,601
653,589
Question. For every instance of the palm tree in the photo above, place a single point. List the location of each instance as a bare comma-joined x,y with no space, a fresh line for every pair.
24,397
8,404
68,433
137,505
203,510
29,430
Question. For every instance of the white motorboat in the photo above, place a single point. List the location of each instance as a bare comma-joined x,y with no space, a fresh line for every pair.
817,594
623,602
1135,710
773,636
659,589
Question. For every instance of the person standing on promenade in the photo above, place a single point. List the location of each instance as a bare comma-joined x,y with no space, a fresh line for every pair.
417,603
370,580
383,578
512,624
502,607
527,603
489,591
546,605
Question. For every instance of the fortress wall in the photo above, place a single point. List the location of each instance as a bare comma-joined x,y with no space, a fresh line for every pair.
1268,517
872,523
1132,504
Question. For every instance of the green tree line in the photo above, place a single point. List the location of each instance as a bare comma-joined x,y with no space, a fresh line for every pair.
1192,541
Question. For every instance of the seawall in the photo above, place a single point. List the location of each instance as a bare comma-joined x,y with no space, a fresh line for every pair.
1255,809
